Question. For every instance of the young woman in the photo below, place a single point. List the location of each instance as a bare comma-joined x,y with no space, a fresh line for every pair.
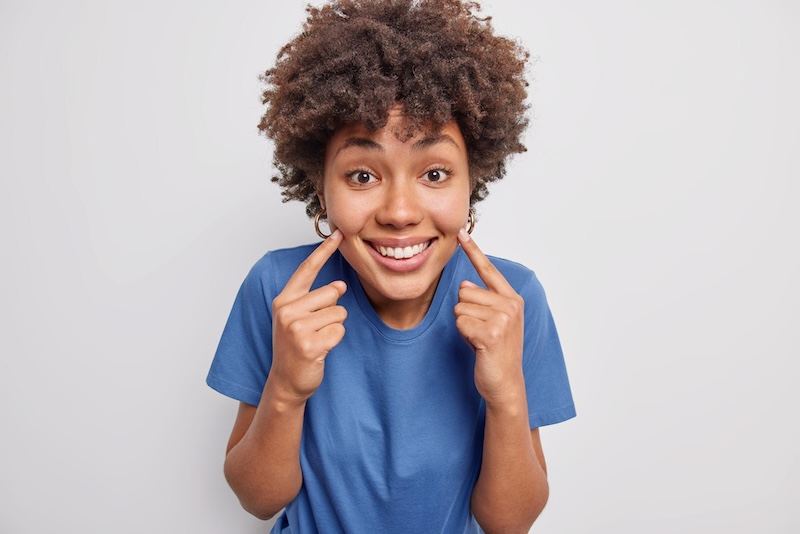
392,378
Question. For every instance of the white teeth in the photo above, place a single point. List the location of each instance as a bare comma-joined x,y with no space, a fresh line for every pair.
402,253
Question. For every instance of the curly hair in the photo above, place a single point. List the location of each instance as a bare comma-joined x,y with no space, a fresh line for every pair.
356,59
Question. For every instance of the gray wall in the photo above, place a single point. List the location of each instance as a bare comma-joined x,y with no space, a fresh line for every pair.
657,203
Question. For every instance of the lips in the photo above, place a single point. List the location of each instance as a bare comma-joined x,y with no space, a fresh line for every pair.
419,252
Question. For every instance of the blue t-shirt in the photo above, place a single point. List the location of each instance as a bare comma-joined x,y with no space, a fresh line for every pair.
392,439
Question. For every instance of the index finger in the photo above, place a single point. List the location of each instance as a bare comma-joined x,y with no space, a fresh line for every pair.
493,278
302,279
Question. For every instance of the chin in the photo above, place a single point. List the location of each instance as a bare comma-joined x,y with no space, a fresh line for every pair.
405,293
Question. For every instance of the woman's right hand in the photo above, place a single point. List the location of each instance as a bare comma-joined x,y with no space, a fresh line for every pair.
306,325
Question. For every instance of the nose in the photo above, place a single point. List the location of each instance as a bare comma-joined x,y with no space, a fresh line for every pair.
400,205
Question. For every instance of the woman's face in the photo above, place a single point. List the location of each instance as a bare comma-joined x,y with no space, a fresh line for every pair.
399,205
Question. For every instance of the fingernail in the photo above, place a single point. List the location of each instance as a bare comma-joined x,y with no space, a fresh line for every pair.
335,233
463,236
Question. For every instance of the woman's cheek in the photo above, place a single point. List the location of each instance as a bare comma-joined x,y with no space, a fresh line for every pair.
454,219
335,221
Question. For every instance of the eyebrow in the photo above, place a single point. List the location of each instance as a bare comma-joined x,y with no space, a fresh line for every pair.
421,144
433,139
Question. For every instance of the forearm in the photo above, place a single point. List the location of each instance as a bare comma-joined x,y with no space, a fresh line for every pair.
512,488
263,468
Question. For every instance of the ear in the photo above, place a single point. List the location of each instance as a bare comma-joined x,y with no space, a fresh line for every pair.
321,196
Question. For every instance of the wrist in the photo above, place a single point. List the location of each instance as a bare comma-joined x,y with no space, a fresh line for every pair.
512,400
281,397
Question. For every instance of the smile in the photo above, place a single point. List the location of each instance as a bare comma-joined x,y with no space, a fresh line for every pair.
402,253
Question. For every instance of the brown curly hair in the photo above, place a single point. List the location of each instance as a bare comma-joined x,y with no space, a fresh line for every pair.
356,59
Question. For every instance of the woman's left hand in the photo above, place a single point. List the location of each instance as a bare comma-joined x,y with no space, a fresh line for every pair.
492,321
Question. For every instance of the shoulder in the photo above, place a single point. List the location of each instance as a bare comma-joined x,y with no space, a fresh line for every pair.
521,278
275,268
284,257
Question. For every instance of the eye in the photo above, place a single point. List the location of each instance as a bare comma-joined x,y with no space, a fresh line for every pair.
362,177
437,175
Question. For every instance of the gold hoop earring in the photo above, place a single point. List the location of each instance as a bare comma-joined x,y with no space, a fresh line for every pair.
317,217
471,221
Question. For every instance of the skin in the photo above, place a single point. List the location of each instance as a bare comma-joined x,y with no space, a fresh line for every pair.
512,487
380,191
414,192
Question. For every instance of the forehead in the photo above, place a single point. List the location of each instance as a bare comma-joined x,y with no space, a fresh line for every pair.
394,133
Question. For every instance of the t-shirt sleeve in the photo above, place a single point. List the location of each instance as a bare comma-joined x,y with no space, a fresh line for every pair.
549,394
244,355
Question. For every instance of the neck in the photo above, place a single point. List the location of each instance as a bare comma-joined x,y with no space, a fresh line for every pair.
402,314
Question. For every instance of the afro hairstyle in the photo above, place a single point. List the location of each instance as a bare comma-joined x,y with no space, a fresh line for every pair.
356,59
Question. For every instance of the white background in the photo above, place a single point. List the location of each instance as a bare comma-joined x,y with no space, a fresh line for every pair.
658,203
